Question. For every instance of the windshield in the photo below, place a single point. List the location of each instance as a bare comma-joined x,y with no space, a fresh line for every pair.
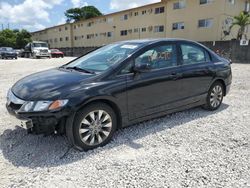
103,58
54,50
40,45
7,49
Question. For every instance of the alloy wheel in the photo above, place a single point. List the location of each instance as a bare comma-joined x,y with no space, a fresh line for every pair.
216,96
95,127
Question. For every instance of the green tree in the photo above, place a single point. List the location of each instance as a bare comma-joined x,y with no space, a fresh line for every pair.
77,14
242,21
7,38
14,38
23,37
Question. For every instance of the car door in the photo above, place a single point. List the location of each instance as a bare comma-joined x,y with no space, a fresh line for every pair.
158,89
197,71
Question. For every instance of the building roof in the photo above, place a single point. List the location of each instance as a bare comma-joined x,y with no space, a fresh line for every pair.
102,16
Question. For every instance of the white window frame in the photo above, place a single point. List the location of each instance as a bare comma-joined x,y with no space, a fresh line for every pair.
181,5
180,26
207,2
157,29
206,21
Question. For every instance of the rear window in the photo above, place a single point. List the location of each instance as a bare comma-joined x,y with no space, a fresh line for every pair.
192,54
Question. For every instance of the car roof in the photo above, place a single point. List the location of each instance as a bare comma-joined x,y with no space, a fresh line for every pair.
152,40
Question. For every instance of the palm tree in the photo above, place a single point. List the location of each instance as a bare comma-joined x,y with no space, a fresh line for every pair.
242,20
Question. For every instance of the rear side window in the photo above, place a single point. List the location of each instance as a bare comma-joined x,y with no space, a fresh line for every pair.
192,54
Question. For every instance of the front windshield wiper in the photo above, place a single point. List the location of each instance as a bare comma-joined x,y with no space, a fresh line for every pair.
80,69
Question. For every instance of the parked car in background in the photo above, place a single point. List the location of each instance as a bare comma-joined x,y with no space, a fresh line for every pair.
36,49
19,52
56,53
7,52
118,85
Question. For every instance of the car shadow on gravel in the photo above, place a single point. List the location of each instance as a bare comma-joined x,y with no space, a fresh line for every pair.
27,150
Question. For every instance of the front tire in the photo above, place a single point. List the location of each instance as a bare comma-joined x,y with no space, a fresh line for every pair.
94,126
214,97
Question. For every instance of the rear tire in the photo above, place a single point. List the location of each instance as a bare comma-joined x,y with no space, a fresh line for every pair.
214,97
94,126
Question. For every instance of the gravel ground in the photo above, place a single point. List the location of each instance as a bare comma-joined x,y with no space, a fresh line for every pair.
194,148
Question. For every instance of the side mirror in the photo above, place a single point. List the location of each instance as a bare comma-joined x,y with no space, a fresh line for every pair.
140,68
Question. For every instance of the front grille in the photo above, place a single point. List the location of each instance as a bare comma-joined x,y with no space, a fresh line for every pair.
44,51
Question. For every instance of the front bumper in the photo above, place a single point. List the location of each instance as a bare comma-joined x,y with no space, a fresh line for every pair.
227,89
43,55
40,122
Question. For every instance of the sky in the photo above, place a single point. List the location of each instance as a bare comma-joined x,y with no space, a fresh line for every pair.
35,15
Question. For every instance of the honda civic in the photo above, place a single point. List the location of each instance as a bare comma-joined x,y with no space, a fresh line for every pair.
117,85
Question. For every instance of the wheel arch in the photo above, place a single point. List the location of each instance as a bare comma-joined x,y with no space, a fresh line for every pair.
220,80
108,102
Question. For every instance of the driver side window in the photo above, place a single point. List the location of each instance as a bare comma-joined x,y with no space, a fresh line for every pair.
163,56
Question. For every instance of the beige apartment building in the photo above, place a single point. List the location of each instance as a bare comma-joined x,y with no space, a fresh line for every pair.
199,20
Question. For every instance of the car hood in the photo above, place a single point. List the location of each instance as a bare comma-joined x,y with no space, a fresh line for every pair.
50,85
40,48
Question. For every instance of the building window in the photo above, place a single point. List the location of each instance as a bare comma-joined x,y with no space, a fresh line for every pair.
231,2
159,29
159,10
136,30
110,20
178,26
144,29
61,39
66,28
66,38
74,26
205,23
124,32
50,40
124,17
90,24
103,34
90,36
75,37
247,6
60,29
136,13
55,40
179,5
203,2
144,12
110,34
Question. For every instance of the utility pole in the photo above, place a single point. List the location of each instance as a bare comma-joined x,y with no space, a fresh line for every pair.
139,33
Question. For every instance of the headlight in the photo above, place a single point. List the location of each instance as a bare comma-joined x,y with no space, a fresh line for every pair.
39,106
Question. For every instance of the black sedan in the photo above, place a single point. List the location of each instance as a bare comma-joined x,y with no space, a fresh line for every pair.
118,85
7,52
